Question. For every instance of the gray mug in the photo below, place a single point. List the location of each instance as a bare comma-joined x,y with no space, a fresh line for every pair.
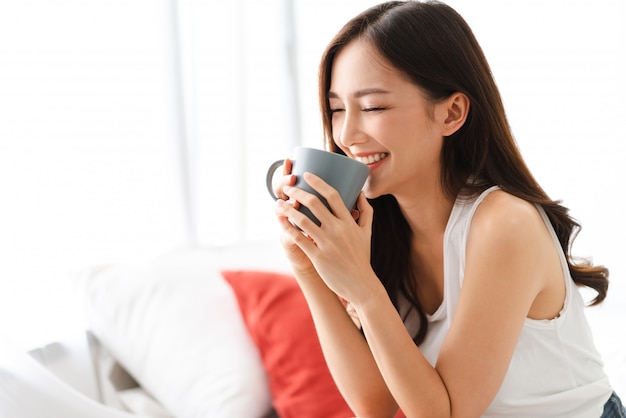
344,174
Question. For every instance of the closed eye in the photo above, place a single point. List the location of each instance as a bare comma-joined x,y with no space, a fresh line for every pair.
373,109
332,111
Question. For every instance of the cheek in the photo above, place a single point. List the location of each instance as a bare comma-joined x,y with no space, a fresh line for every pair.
340,146
404,129
336,125
390,132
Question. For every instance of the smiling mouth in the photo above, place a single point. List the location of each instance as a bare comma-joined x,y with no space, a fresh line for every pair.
372,158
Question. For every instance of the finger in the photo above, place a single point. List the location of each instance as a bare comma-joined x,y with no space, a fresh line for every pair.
314,204
284,208
337,207
287,166
290,211
366,211
296,235
287,193
287,179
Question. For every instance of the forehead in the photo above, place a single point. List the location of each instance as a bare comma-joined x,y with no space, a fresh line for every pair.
360,65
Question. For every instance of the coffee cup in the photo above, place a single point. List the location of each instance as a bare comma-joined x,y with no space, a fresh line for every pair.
344,174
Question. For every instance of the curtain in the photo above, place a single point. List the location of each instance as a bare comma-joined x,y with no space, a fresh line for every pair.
87,138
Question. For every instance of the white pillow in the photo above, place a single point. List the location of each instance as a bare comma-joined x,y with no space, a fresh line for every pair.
175,325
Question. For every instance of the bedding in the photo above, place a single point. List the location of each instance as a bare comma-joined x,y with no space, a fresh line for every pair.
29,390
208,344
225,332
280,324
174,324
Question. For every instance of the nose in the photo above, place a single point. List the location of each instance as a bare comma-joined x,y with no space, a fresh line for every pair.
350,129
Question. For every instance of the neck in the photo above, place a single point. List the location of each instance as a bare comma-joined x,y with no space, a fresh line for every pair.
427,213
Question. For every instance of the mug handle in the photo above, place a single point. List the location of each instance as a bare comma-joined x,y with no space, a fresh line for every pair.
270,176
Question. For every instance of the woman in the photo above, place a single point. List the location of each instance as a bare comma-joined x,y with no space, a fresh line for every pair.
458,272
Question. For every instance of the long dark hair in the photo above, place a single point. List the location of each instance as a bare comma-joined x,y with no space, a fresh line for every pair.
433,45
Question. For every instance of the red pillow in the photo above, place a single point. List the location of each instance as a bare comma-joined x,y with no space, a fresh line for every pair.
280,324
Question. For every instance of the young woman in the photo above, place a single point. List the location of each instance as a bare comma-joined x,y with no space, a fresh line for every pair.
458,272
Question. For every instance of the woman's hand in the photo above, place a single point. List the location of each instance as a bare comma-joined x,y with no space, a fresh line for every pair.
287,179
339,248
300,263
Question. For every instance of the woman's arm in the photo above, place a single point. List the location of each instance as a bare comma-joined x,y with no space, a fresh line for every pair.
339,252
512,272
414,383
508,251
510,262
347,353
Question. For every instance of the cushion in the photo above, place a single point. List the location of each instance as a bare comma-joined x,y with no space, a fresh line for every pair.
174,324
280,324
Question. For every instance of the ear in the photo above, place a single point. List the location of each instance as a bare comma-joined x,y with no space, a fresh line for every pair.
456,108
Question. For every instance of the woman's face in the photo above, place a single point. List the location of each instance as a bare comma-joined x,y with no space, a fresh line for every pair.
382,119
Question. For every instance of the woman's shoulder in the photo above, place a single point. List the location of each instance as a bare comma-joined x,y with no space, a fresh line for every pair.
503,204
503,215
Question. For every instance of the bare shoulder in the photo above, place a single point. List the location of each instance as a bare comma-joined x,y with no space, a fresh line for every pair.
501,214
508,234
509,228
510,244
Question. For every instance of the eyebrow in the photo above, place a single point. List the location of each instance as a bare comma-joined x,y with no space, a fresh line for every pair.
360,93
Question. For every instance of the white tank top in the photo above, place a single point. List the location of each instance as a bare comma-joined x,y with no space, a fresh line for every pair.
556,370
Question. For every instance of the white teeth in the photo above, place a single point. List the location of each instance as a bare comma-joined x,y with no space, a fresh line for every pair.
372,158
